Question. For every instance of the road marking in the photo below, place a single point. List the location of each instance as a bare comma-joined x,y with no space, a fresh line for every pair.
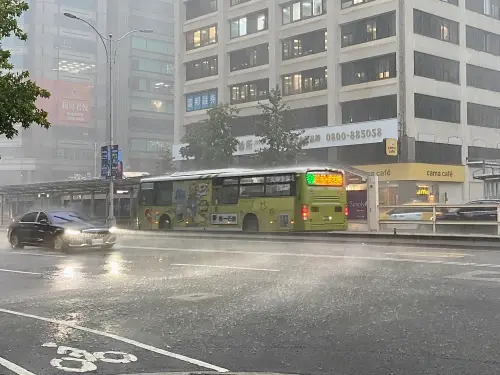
23,272
35,254
228,267
310,255
492,276
431,254
120,338
14,368
195,297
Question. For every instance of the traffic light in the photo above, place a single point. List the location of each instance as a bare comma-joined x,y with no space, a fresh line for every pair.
391,146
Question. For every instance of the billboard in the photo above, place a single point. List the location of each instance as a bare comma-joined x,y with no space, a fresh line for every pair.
115,161
70,103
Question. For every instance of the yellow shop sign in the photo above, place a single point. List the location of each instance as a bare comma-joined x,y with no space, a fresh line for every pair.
416,172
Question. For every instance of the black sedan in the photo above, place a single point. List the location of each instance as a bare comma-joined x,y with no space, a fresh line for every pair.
59,230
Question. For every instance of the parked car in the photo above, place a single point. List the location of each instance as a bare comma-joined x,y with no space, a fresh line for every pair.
60,230
410,212
486,212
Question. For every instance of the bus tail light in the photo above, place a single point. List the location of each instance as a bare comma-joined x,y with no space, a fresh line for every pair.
346,211
304,212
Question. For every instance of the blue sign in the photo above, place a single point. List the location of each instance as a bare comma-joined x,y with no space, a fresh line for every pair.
201,100
204,100
115,162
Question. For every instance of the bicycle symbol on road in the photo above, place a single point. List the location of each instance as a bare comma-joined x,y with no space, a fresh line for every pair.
83,360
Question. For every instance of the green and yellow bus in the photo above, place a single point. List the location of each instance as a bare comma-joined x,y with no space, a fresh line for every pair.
254,200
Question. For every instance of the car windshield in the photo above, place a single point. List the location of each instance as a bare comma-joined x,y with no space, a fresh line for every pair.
65,217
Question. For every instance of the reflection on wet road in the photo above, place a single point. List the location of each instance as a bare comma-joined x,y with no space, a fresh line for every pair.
165,304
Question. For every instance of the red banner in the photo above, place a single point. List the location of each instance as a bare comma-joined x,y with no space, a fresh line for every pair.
70,103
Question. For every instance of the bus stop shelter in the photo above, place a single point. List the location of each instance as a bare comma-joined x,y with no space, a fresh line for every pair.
17,199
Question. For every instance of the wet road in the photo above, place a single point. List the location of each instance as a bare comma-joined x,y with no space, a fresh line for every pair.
158,304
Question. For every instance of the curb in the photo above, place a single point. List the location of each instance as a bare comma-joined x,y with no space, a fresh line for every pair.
390,239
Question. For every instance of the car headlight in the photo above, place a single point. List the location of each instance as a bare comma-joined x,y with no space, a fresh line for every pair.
113,230
71,232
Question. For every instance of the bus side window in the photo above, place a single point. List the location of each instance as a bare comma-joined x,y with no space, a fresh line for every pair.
230,194
216,195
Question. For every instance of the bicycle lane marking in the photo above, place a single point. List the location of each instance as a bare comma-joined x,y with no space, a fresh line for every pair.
137,344
14,368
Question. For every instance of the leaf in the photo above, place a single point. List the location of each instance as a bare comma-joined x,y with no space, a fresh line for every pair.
18,94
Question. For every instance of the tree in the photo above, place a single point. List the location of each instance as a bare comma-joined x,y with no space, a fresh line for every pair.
165,162
210,143
281,143
18,94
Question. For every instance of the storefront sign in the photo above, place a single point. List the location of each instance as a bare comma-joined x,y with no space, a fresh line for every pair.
201,100
323,137
416,172
357,204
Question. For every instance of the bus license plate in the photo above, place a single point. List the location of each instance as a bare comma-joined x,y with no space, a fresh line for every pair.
98,242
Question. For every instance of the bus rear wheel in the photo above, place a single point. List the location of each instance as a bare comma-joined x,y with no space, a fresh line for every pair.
164,223
250,223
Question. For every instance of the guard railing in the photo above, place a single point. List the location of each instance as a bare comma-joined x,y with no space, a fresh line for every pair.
484,219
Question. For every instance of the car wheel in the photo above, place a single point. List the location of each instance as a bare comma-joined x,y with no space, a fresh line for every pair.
58,244
15,242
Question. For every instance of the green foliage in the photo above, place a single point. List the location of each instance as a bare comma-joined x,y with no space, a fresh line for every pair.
18,94
211,143
166,162
281,143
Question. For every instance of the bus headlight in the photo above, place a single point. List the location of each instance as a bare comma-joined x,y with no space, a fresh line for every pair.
71,232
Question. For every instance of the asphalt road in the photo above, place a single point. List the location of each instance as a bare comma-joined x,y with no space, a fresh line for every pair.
157,305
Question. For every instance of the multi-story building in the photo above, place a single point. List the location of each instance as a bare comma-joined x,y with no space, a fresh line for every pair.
67,57
354,72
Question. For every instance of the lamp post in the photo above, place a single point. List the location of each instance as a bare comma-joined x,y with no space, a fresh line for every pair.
111,52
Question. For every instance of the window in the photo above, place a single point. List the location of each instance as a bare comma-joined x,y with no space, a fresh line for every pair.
201,100
439,109
152,66
197,8
149,125
42,216
237,2
151,85
483,115
304,45
380,27
438,153
306,81
201,68
368,70
249,57
481,40
250,91
29,218
454,2
164,193
437,68
483,153
160,26
154,46
490,8
432,26
147,145
249,24
372,109
349,3
303,9
151,105
483,78
201,38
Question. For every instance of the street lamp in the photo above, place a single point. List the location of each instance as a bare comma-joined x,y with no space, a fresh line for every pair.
111,60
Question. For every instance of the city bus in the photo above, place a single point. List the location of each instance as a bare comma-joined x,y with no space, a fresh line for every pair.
251,200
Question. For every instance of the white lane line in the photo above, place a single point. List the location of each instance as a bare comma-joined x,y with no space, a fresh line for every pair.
122,339
307,255
22,272
14,368
228,267
34,254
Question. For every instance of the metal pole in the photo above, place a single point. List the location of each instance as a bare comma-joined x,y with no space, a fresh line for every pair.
111,213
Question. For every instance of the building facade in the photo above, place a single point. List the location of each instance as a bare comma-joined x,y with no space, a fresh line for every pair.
354,72
66,57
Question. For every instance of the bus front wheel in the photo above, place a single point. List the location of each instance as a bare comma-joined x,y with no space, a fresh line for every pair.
250,223
164,223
